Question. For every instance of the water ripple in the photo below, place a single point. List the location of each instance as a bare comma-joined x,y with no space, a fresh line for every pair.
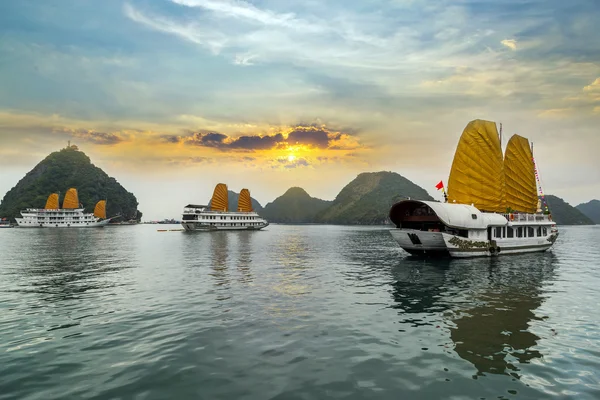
292,312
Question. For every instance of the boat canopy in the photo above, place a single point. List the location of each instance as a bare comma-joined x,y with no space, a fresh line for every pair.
195,206
244,201
220,200
477,174
458,216
519,170
71,199
52,202
100,209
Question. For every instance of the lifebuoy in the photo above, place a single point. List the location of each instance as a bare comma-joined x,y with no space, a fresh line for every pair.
512,217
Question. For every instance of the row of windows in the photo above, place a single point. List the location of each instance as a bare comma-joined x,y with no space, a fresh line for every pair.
90,218
235,224
519,232
222,217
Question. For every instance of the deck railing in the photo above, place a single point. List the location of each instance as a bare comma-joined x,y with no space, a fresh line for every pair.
519,217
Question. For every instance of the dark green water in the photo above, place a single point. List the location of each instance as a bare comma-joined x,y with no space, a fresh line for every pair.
292,312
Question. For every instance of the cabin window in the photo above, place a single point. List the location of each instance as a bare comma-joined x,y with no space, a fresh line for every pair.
497,232
545,231
474,216
520,232
539,231
530,231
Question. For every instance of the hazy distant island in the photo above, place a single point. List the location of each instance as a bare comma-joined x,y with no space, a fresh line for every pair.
62,170
591,210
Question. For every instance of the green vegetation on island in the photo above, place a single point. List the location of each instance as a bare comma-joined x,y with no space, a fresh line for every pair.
591,210
65,169
368,198
565,214
294,206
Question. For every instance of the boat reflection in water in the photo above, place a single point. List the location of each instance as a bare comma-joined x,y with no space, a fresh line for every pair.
488,306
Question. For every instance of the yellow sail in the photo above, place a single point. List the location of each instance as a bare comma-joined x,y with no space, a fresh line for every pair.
52,202
220,198
477,175
244,202
100,209
71,199
521,187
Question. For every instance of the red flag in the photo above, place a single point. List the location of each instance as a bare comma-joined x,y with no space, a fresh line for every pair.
439,185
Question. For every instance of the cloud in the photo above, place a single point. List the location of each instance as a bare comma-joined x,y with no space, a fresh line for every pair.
510,43
101,138
308,136
312,137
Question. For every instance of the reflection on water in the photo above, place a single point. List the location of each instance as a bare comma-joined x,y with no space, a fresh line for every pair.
244,256
494,334
488,305
312,312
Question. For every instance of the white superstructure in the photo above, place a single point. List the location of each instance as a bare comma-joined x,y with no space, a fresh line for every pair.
59,218
198,217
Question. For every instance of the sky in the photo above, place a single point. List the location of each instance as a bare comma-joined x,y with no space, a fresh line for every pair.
171,97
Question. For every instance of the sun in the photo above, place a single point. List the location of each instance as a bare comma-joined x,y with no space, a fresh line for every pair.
291,157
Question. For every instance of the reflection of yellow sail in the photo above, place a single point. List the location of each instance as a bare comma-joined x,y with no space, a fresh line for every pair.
477,175
71,199
52,202
100,209
244,201
220,199
521,188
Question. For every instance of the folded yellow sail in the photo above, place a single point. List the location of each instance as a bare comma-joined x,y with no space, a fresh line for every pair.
519,170
71,199
244,201
477,175
219,201
100,209
52,202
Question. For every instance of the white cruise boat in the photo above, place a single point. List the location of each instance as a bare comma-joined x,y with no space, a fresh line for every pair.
71,215
218,217
492,206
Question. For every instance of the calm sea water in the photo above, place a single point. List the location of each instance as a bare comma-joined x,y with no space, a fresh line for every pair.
292,312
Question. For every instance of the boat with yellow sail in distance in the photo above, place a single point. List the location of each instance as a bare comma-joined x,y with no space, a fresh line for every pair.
492,205
217,216
71,215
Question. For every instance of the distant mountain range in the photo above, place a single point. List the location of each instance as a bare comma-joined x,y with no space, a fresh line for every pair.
565,214
368,198
591,210
365,200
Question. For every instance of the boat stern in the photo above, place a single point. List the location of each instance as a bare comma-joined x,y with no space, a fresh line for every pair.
420,242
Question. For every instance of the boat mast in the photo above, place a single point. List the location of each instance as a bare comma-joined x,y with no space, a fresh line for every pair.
500,134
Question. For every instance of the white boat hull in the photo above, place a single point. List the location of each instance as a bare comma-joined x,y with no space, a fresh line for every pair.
443,244
30,224
198,226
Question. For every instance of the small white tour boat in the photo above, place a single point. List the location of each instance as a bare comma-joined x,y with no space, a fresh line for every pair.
492,206
216,216
71,215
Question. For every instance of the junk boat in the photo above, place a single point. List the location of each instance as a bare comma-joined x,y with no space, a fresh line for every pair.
492,205
217,216
71,215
